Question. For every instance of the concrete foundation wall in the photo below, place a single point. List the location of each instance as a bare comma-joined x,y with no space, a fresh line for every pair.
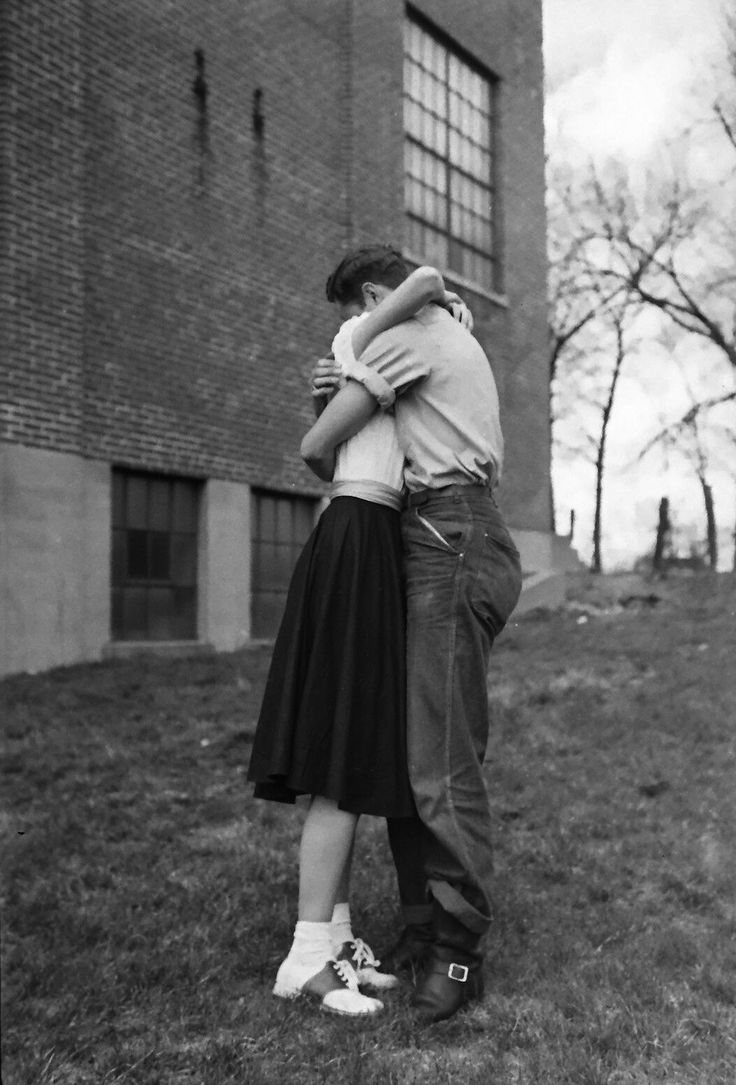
54,557
224,565
545,558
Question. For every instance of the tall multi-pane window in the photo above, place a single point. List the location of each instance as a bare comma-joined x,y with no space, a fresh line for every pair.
154,556
450,197
281,525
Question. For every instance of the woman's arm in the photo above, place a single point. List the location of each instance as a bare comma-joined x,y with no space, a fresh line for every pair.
343,416
422,286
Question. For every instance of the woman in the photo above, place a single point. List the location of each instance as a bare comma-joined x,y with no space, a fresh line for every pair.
332,723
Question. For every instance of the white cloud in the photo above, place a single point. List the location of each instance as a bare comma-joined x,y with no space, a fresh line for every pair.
620,73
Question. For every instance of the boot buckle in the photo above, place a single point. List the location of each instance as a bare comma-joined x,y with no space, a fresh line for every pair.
458,972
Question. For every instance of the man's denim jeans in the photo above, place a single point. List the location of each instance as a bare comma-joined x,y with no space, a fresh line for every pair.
463,579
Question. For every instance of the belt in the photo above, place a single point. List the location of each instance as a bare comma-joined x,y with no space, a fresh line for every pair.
421,497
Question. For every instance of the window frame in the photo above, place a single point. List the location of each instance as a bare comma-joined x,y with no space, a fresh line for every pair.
152,571
493,285
268,592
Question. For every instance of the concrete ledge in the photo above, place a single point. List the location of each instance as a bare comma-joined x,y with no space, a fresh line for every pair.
542,589
128,649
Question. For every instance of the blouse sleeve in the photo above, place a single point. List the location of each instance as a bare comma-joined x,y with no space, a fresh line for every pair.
373,382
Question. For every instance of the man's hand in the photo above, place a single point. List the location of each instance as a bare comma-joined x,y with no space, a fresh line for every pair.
458,309
325,378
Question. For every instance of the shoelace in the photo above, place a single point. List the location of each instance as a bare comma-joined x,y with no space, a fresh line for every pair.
347,974
363,955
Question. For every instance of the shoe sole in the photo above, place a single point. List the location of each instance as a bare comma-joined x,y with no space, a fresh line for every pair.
294,994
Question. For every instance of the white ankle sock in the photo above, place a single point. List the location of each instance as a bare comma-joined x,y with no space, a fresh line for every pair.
341,928
312,945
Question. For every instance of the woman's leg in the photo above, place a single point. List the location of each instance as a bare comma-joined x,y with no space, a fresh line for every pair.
326,845
324,855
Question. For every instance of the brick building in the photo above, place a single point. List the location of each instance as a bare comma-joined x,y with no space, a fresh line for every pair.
176,181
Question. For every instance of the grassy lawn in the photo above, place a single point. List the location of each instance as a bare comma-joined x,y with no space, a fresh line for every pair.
148,899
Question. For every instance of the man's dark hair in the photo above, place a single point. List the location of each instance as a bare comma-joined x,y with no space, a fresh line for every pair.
372,264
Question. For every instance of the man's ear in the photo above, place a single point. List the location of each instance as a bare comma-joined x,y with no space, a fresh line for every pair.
370,294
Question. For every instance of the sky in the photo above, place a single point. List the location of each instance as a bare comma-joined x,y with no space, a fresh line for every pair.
620,76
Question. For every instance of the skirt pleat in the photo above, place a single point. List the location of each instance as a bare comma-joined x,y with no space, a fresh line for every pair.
333,718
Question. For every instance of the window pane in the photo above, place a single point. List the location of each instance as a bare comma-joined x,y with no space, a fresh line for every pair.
267,610
434,247
434,134
159,504
414,238
185,506
303,520
118,499
136,510
118,556
412,39
184,614
413,119
116,616
265,517
159,563
134,613
264,571
283,520
184,559
285,559
137,555
414,81
160,613
439,58
437,98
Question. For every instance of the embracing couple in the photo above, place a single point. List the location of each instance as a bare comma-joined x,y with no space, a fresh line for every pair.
376,700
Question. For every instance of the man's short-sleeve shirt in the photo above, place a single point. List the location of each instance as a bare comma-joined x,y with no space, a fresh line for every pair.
447,413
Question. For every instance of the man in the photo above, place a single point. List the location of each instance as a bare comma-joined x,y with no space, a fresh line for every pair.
463,579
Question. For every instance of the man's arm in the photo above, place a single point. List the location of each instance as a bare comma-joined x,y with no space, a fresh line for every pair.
422,286
342,418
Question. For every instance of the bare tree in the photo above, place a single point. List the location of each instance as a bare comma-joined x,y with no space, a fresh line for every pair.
692,437
667,247
577,296
724,106
617,318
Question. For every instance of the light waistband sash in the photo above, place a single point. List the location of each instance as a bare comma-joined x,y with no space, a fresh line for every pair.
368,490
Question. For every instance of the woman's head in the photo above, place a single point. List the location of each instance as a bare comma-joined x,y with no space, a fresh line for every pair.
350,283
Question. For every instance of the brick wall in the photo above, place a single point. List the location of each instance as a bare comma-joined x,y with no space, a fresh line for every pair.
43,172
168,261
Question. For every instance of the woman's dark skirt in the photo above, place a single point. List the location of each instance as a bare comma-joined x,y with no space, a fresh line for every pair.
333,718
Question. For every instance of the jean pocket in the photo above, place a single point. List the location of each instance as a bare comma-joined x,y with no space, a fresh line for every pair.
449,535
498,585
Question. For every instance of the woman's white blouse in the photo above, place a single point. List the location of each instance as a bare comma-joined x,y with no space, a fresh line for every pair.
373,454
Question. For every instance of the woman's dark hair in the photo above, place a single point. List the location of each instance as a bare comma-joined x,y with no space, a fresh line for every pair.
374,263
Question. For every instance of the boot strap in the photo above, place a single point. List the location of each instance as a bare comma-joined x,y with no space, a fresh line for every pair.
453,971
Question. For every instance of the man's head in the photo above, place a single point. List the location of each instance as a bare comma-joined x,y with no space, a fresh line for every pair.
365,276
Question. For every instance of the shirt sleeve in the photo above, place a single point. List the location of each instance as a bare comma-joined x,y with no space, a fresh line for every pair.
373,382
395,360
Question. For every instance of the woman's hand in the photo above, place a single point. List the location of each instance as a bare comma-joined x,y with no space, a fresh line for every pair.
458,309
325,378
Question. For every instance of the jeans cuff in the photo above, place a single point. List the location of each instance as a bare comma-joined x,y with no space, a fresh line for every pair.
455,903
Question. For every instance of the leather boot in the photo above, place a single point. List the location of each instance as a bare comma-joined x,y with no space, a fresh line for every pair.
410,951
453,971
